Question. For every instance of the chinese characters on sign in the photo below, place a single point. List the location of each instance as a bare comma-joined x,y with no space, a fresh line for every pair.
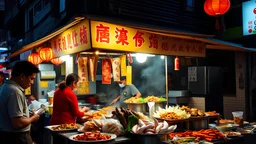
83,69
106,71
116,68
84,88
115,37
73,40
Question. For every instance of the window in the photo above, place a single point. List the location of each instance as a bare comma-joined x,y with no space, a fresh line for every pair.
30,17
190,5
46,2
37,8
62,5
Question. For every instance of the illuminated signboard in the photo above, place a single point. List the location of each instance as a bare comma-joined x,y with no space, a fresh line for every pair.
249,17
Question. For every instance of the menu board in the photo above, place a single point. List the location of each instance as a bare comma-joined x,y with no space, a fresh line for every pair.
192,74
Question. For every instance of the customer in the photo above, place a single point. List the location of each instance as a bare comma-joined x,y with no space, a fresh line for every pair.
15,121
126,92
65,103
1,78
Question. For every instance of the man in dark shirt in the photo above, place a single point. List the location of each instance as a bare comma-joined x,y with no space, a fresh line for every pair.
126,92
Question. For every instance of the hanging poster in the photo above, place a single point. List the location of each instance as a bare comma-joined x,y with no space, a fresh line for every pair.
83,69
123,65
84,88
106,71
116,68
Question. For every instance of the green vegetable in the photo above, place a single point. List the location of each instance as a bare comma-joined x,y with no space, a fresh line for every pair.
162,99
142,100
131,121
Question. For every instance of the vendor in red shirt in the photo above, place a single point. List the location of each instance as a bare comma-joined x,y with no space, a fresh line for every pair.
65,104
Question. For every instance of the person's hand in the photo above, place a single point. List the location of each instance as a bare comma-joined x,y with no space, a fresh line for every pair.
85,109
90,114
35,117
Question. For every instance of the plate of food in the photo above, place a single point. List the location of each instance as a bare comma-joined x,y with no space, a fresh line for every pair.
244,132
92,137
211,113
64,127
232,134
225,121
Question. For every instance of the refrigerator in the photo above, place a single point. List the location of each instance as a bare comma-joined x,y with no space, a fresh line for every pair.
207,82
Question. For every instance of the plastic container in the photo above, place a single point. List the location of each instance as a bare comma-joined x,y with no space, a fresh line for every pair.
50,109
238,118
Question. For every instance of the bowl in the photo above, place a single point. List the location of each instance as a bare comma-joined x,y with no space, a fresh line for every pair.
224,128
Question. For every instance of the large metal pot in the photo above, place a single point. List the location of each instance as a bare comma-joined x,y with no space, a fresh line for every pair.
97,106
198,123
138,107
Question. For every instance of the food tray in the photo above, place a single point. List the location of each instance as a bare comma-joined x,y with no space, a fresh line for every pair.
113,136
63,130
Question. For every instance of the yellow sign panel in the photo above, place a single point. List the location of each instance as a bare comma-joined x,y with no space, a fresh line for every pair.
44,84
28,91
115,37
84,88
73,40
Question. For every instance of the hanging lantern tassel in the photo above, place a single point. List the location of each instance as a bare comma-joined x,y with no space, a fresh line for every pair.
217,24
176,64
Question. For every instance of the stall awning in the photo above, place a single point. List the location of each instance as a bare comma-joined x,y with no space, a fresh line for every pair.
32,45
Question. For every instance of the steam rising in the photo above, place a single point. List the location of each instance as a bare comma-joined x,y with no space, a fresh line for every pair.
153,79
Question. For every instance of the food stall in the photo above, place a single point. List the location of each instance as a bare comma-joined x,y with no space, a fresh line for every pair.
89,39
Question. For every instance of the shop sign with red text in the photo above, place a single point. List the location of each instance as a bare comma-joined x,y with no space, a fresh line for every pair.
116,37
73,40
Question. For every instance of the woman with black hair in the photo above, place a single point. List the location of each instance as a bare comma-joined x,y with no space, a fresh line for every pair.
65,103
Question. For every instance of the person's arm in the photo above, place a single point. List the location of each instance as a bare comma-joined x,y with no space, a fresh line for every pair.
134,91
15,111
115,100
73,102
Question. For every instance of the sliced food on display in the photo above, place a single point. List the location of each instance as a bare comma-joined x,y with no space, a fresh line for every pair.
93,137
207,135
135,100
155,99
193,111
108,108
96,115
226,121
155,127
89,126
61,127
232,134
171,113
211,113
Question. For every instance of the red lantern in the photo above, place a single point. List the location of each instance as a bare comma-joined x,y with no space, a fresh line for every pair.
176,63
216,8
1,66
46,54
57,61
34,58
